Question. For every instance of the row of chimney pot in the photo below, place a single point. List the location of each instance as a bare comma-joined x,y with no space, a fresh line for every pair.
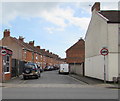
7,34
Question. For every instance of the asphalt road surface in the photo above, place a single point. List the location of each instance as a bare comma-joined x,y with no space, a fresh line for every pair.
52,85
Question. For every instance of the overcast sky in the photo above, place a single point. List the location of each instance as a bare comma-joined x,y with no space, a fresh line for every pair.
54,26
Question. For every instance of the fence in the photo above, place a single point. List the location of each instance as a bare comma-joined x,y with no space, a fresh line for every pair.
17,67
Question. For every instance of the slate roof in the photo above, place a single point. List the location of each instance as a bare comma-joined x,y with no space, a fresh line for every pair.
33,48
46,53
113,16
25,45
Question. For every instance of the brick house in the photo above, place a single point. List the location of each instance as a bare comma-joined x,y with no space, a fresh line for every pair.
27,52
50,59
75,56
22,51
5,64
18,47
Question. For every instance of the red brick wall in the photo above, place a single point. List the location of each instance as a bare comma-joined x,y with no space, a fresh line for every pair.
76,53
8,76
29,56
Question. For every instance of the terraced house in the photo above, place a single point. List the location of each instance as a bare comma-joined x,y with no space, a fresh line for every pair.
27,52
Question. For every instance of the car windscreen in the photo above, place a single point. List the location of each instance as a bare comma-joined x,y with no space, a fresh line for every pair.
29,66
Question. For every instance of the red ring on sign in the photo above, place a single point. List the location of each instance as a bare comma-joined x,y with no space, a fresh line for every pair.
2,53
105,50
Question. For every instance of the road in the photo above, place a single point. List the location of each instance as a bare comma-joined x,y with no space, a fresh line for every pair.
52,85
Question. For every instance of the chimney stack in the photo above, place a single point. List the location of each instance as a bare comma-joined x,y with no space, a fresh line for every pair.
47,51
38,47
21,38
6,33
43,50
31,43
96,7
80,39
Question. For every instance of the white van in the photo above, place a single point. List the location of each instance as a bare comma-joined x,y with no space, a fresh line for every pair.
64,69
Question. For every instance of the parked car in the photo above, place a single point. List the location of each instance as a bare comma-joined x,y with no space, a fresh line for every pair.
56,68
47,68
51,67
41,69
64,69
31,70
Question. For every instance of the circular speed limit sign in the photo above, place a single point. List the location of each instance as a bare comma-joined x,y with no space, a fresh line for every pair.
3,52
104,51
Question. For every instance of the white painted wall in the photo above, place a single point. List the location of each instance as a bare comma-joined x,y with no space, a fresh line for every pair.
96,36
113,50
100,34
94,67
113,38
113,66
95,40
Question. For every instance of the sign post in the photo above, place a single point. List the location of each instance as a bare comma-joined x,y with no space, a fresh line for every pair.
104,71
104,52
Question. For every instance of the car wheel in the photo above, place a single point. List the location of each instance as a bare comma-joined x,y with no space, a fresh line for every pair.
24,77
37,77
27,70
59,72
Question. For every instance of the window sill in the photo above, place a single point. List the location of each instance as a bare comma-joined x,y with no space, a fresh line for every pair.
6,72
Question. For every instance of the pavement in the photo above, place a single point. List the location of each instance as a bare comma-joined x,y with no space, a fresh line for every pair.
93,81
